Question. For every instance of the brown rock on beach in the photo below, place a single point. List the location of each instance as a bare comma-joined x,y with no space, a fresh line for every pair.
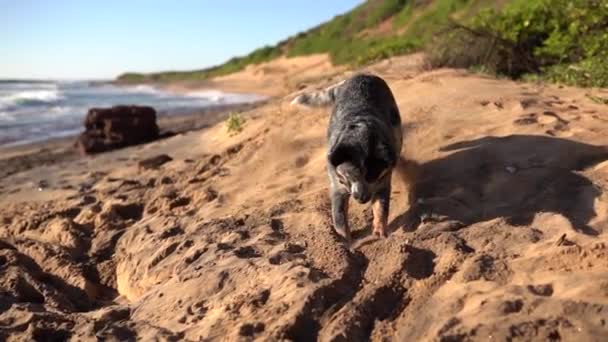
116,127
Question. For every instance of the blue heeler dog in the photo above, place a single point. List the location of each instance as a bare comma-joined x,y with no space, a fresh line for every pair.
364,140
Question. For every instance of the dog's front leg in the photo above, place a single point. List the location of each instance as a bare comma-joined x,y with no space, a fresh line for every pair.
380,208
339,211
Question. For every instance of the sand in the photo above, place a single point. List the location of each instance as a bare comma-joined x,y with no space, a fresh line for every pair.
275,78
231,239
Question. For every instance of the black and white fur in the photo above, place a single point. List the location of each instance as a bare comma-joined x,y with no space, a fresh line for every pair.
364,141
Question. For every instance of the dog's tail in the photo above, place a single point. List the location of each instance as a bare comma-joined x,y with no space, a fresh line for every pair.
325,97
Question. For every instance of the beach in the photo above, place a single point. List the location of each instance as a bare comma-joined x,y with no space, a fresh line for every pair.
40,120
35,110
230,238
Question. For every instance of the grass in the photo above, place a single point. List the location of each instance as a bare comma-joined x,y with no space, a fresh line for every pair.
235,64
341,38
404,15
235,123
563,41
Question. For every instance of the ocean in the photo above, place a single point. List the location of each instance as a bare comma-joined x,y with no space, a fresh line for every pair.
32,111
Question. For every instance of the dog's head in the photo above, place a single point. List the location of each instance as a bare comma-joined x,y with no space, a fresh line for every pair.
362,158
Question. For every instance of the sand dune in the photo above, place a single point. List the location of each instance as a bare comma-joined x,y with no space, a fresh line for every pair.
274,78
232,239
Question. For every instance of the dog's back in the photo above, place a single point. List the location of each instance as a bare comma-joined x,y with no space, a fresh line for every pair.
369,99
357,94
364,97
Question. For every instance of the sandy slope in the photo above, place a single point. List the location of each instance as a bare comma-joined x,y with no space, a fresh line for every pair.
232,238
274,78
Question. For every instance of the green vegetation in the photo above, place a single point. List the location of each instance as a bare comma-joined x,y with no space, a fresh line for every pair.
374,30
564,41
345,40
557,40
235,123
404,15
358,37
235,64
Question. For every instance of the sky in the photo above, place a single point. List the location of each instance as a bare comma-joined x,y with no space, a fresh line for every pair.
95,39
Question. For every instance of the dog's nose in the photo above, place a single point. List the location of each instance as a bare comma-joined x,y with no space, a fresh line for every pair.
363,199
360,193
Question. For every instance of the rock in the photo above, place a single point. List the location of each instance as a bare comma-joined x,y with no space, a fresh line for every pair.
210,194
154,162
116,127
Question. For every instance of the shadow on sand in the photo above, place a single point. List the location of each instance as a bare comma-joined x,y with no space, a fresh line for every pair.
512,177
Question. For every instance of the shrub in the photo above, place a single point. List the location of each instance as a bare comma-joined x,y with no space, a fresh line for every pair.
561,40
589,72
235,123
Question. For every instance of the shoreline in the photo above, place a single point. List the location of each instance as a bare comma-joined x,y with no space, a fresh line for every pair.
30,113
275,78
21,157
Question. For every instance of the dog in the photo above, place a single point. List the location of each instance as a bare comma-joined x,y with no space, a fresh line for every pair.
364,140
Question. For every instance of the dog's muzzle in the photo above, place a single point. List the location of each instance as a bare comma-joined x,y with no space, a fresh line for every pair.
360,192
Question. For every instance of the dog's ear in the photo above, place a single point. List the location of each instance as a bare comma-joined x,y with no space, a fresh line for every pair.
394,116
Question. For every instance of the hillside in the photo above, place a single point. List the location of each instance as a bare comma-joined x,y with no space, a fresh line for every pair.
373,30
555,40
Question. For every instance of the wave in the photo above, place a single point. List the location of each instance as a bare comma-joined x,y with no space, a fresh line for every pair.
4,116
42,110
30,98
217,96
143,89
17,84
208,96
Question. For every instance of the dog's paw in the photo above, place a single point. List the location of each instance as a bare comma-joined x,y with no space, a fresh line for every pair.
380,233
343,232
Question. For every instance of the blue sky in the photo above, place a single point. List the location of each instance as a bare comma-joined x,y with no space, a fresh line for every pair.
94,39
